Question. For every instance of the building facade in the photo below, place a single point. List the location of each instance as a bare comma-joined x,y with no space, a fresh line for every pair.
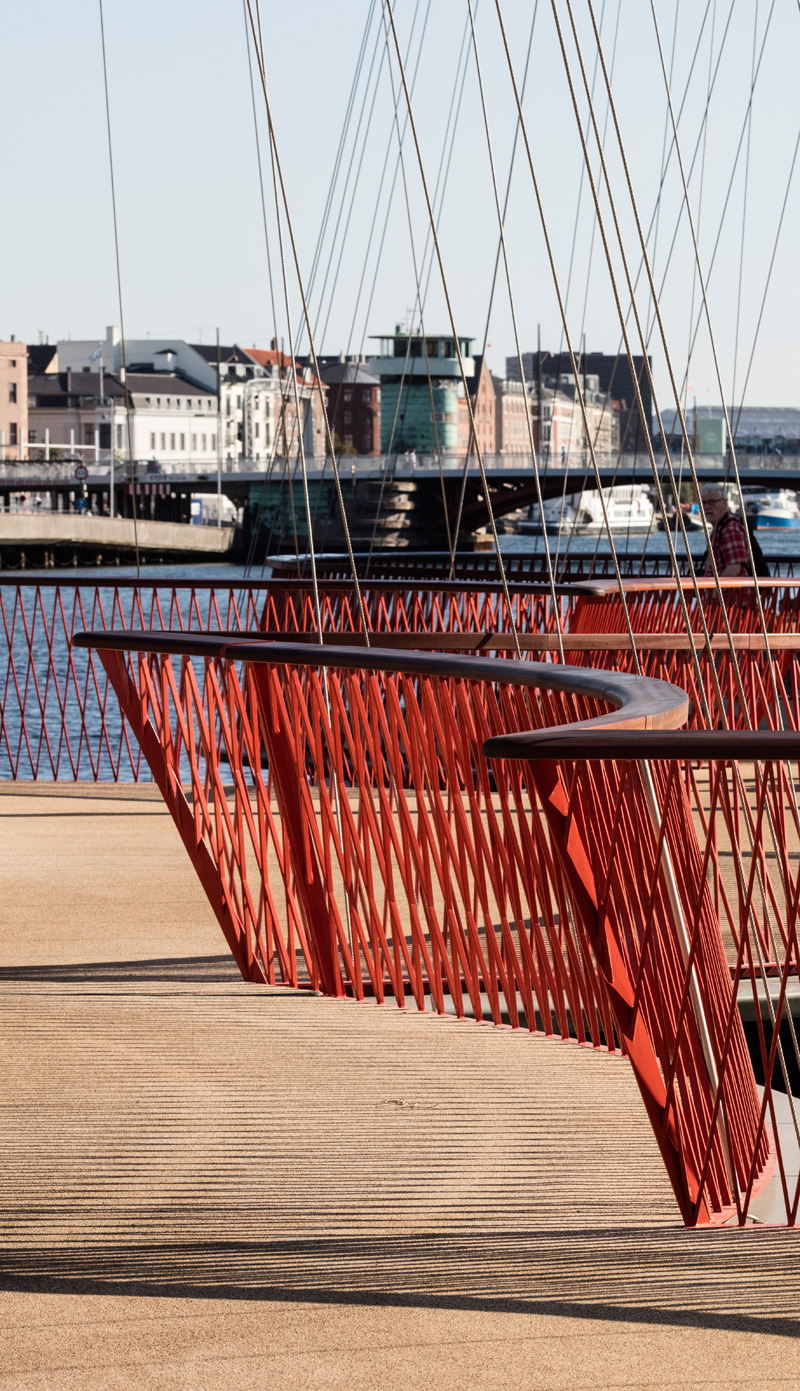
279,399
251,385
354,406
13,399
513,418
615,382
560,435
482,398
84,414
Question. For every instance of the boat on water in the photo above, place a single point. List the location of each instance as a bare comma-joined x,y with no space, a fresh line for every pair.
628,507
775,510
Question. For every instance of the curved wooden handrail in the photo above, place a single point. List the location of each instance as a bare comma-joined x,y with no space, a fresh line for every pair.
645,722
639,702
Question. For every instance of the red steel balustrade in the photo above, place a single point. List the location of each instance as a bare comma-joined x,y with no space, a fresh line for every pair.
57,722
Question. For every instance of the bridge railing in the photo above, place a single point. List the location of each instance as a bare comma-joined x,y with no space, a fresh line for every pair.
352,835
56,720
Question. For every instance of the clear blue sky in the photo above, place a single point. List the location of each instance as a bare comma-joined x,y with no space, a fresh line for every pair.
191,235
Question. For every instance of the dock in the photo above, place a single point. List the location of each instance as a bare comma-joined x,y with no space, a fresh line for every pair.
64,535
209,1184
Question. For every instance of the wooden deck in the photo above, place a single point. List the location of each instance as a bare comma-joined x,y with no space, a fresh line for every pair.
208,1184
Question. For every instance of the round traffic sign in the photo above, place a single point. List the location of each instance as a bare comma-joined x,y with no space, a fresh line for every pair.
81,472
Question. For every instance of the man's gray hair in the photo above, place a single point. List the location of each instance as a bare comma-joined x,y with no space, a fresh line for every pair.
710,492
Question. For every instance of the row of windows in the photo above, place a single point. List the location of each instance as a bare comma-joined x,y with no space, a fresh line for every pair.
181,403
177,442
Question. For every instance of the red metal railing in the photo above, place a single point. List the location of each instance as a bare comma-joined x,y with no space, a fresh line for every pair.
351,835
56,719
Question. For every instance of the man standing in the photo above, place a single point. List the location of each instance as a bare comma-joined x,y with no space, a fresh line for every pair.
728,535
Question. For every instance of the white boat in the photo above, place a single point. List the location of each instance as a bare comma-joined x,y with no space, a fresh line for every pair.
628,507
775,510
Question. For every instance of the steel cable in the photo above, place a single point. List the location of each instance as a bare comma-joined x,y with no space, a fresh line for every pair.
128,418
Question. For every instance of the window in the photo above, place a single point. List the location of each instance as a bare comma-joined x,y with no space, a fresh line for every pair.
163,441
32,437
213,441
183,444
12,433
172,441
12,362
347,394
348,418
257,429
152,440
105,436
88,434
194,444
12,393
119,437
203,441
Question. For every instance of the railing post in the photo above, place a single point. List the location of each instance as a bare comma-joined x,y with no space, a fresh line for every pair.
286,778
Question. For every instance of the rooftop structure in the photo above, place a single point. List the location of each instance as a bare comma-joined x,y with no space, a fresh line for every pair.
420,380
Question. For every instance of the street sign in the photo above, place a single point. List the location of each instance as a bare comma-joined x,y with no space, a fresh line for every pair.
81,472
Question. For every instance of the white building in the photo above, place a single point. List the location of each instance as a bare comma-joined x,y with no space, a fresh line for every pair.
562,435
255,389
84,413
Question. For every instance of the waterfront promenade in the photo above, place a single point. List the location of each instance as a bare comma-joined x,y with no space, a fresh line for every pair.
207,1184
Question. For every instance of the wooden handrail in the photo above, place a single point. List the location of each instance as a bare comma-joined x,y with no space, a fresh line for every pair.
639,702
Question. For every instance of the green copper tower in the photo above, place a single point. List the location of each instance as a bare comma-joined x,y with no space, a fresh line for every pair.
414,410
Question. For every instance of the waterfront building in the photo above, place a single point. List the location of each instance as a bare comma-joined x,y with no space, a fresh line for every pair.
420,378
13,399
615,382
83,414
277,396
513,407
250,385
561,435
354,405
